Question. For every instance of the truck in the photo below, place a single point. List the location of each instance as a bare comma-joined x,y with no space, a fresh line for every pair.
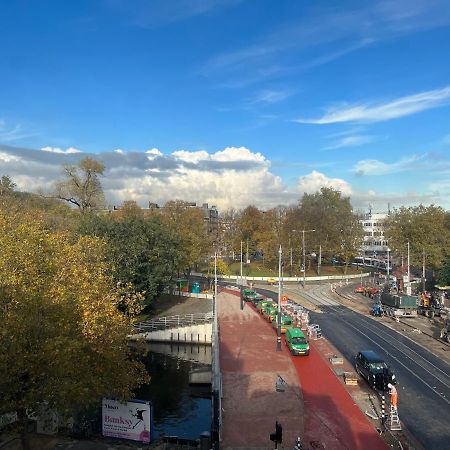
429,305
399,305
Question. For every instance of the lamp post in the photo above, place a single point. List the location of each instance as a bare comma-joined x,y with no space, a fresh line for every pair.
304,255
241,264
423,271
279,301
408,287
387,269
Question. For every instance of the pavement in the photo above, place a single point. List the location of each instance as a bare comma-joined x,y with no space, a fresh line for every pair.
315,404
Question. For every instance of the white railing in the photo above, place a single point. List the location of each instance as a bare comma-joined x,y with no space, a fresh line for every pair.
163,323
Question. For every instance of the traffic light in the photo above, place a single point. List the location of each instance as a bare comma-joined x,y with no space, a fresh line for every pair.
278,435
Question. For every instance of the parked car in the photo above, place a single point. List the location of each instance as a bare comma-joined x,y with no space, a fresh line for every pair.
262,305
359,289
286,322
374,370
270,313
296,342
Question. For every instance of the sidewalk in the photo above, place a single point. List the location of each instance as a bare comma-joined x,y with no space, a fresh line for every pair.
250,364
320,409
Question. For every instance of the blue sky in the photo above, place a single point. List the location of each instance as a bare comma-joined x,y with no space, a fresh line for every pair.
242,101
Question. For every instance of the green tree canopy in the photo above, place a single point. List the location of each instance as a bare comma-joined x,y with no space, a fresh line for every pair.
330,214
443,277
426,228
7,185
141,250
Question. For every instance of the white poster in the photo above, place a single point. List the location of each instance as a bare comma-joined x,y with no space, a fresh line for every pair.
130,420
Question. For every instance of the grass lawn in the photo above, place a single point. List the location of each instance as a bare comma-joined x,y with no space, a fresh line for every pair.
257,269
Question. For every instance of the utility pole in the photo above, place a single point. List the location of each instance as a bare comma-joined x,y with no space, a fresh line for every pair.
241,263
290,250
304,254
423,270
387,269
408,287
246,261
279,301
320,260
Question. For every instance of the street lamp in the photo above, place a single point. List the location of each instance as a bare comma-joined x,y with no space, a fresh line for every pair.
241,265
279,302
304,256
387,269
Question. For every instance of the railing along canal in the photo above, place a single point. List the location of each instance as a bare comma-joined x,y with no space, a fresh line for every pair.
164,323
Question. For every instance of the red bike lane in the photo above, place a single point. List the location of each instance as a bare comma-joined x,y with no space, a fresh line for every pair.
332,419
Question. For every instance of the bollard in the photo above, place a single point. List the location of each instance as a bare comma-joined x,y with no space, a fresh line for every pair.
383,411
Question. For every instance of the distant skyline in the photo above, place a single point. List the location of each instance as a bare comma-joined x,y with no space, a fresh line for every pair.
230,102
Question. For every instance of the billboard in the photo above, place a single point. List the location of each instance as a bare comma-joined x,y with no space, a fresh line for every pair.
128,420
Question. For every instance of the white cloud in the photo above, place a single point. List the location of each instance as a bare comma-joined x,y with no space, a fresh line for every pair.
403,106
308,38
314,181
351,141
13,133
7,157
67,151
376,168
153,153
239,154
232,177
193,157
269,96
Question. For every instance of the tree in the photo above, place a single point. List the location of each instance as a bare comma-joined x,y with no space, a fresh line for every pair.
82,186
7,185
331,215
188,223
443,277
141,250
426,228
63,338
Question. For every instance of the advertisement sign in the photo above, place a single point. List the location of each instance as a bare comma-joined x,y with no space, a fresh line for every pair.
129,420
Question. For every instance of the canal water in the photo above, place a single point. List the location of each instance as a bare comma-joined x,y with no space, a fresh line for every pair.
178,409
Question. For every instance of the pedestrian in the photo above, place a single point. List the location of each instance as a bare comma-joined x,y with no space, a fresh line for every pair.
394,395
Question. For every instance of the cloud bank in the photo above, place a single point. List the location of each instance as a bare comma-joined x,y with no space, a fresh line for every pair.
232,177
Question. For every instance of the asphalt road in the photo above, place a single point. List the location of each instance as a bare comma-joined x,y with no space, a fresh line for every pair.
423,379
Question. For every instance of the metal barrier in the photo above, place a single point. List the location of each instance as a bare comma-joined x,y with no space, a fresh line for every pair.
163,323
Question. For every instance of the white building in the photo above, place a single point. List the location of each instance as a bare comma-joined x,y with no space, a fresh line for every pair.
375,244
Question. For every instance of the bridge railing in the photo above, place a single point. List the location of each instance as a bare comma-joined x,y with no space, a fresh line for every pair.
163,323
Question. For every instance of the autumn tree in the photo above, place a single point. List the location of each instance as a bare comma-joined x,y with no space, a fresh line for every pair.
63,338
426,228
227,232
331,215
247,225
82,186
189,224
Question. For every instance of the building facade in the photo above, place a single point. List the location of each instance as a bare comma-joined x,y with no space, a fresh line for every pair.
375,244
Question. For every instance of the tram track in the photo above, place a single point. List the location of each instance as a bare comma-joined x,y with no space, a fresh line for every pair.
424,378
